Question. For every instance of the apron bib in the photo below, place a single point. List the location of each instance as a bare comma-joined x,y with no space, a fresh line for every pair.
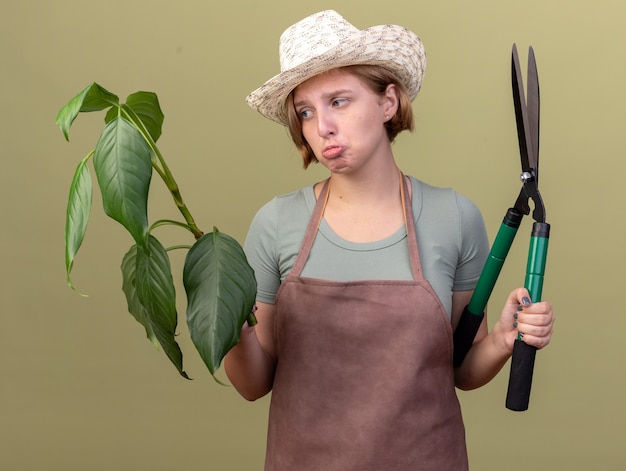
364,378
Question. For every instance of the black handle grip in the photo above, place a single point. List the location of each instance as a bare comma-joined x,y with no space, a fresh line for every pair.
464,334
521,376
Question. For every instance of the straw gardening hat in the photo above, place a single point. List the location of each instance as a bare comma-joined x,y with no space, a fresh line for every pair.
325,41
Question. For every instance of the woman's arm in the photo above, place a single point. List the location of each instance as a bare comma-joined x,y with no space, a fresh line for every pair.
250,364
490,351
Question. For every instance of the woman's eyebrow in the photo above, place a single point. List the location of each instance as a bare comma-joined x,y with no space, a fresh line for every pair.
326,96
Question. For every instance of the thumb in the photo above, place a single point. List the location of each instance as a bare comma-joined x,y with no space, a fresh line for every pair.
521,297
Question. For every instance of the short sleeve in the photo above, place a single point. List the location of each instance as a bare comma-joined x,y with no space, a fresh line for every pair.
474,248
274,239
261,251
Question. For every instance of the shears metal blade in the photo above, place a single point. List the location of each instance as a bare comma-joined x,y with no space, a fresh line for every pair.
527,119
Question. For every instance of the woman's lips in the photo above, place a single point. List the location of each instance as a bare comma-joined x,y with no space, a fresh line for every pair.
331,152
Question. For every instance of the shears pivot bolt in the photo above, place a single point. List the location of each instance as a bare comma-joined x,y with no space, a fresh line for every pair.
526,177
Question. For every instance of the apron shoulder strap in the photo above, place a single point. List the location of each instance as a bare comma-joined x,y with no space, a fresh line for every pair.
407,207
311,230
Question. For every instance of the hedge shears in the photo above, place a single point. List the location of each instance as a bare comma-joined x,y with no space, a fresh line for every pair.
523,359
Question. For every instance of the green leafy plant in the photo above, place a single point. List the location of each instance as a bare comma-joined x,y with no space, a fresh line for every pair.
219,283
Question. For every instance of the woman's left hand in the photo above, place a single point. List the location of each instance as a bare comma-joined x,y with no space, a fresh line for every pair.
534,321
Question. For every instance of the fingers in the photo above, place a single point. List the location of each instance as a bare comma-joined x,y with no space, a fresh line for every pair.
535,323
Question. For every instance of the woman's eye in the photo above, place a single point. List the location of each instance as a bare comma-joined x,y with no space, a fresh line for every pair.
304,114
339,102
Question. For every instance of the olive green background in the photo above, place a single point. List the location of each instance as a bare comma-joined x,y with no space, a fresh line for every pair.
82,389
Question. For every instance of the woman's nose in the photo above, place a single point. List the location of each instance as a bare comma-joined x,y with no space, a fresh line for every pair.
325,124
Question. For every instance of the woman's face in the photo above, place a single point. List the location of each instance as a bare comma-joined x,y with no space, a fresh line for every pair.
343,120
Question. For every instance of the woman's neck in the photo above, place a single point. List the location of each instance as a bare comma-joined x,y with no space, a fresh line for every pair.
365,208
368,186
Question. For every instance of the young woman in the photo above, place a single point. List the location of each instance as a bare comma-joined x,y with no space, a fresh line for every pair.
363,277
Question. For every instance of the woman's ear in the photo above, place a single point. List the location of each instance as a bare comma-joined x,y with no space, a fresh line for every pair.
390,100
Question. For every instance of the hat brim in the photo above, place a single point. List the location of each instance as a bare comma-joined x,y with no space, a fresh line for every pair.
390,46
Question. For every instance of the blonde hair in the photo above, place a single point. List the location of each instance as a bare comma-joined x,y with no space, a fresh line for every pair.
377,79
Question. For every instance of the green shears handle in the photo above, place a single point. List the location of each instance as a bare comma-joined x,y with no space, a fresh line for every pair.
523,360
475,311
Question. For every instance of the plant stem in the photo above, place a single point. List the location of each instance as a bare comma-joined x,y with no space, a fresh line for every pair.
164,172
177,247
169,222
182,207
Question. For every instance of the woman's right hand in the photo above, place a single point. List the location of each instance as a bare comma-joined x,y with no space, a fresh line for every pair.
250,364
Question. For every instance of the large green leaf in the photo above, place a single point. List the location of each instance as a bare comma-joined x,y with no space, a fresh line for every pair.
77,214
221,291
145,107
156,293
129,270
92,98
123,167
